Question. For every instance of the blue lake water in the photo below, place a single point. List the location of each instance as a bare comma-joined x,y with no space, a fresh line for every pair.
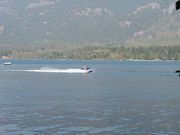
118,98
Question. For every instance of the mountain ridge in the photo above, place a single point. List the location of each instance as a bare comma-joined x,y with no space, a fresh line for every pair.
60,22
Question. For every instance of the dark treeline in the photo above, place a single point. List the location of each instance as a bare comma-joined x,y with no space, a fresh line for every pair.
99,52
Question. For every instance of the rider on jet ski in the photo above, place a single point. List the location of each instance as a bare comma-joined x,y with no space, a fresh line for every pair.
85,67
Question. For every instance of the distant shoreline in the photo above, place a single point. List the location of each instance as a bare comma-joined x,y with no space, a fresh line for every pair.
131,60
124,53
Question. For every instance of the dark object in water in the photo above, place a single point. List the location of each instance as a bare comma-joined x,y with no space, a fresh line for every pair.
177,71
178,5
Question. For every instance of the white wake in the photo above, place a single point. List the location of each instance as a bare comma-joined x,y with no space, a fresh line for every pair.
53,70
58,70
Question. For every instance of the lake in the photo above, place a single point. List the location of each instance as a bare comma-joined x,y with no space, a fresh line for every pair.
118,98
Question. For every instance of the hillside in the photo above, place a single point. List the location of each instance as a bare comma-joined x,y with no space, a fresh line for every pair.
33,23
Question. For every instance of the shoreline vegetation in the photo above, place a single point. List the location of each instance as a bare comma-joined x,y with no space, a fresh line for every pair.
96,52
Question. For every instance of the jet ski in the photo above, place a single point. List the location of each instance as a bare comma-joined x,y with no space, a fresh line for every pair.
86,69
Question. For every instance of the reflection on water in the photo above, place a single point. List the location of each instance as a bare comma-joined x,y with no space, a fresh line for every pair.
134,98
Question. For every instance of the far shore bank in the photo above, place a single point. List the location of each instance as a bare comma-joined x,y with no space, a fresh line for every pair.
128,53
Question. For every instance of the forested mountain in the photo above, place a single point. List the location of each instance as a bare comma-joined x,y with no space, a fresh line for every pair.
25,23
